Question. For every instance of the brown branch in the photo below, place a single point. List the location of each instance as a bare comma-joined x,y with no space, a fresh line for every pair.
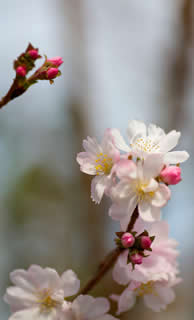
109,260
103,269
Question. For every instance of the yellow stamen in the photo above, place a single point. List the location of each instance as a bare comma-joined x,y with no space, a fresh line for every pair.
146,288
103,164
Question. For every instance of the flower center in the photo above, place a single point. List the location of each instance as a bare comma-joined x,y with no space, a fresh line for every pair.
146,288
46,302
146,144
103,164
141,194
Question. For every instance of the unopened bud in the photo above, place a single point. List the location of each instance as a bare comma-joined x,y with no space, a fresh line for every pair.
57,61
146,242
52,73
171,175
136,258
33,53
21,71
127,240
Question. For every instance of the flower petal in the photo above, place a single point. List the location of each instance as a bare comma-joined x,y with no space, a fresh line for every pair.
156,133
148,212
117,212
98,186
126,168
34,313
175,157
92,146
118,140
70,283
169,141
152,165
161,196
136,128
126,301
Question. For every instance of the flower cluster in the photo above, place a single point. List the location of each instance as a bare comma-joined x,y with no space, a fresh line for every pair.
136,177
41,294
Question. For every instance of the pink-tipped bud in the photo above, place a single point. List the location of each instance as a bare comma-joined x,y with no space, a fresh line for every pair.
146,242
52,73
33,54
57,61
127,240
171,175
21,71
136,258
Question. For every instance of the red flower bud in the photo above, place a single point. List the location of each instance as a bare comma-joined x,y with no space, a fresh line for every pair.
57,61
146,242
33,53
136,258
21,71
127,240
52,73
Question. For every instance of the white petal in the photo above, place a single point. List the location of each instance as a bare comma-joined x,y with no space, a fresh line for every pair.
119,141
121,269
70,283
158,302
21,279
87,164
123,190
170,141
108,146
91,145
98,186
152,186
148,212
16,296
97,308
156,133
136,128
126,168
81,305
117,212
34,314
161,196
107,317
175,157
126,301
152,165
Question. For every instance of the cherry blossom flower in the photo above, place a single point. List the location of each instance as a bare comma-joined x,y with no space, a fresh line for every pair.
161,261
156,294
138,187
99,159
143,141
39,293
86,307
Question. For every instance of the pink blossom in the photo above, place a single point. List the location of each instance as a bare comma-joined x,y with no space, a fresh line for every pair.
52,73
171,175
127,240
99,160
156,294
33,53
56,61
39,292
137,186
160,263
21,71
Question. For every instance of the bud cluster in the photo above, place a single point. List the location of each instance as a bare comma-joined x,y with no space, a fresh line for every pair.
135,244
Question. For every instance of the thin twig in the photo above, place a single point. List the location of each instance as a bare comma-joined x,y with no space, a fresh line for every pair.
109,260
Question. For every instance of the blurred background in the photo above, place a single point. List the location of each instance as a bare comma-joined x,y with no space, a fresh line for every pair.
123,60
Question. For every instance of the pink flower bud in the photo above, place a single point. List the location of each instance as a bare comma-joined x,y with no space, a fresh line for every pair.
57,61
33,54
171,175
145,242
127,240
52,73
136,258
21,71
